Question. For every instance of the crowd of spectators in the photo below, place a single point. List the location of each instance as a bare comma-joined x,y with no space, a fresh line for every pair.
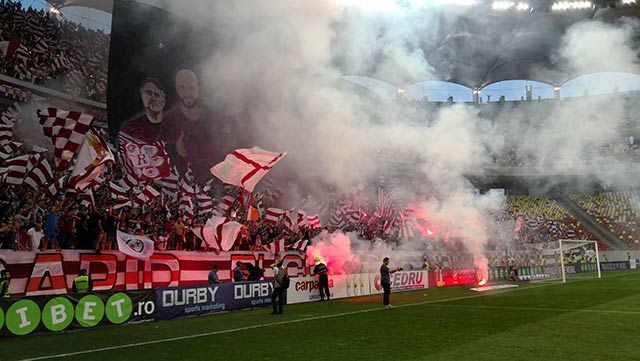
41,48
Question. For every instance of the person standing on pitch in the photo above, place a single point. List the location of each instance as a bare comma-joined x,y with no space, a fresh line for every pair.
385,280
323,279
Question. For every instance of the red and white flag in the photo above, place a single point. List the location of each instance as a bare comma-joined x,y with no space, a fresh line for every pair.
291,221
11,147
274,215
92,158
147,195
225,204
144,161
86,197
302,218
170,184
139,247
67,131
314,221
245,167
186,206
219,233
117,191
128,182
300,245
205,203
17,169
6,133
275,247
55,187
40,175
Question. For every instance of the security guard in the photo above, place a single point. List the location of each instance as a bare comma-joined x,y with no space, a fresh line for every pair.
425,265
323,279
5,287
82,283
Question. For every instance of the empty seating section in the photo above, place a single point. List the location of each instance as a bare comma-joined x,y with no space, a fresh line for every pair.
619,212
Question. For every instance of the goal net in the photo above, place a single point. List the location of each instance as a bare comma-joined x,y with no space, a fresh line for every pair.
558,261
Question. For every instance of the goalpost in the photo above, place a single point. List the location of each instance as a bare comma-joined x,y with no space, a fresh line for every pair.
565,258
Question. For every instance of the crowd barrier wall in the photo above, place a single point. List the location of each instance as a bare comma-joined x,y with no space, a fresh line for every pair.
53,272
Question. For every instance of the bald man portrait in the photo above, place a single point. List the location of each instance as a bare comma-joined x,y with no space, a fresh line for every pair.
196,134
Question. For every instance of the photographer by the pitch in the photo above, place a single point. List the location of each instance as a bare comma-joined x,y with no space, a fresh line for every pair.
385,280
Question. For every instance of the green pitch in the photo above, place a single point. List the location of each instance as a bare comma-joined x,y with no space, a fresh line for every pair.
588,319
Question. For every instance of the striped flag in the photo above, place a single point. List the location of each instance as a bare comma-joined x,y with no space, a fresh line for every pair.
300,245
225,204
117,192
128,182
273,215
6,133
67,130
10,115
205,203
314,221
40,175
147,196
54,188
290,221
186,206
302,218
17,169
245,167
170,184
275,247
11,147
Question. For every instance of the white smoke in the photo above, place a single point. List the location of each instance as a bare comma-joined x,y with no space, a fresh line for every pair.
279,66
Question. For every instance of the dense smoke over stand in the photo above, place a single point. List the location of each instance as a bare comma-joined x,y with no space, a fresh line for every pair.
279,64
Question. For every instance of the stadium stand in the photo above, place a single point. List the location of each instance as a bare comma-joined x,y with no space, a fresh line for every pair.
39,48
617,211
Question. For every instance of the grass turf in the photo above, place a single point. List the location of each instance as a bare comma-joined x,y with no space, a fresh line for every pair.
587,319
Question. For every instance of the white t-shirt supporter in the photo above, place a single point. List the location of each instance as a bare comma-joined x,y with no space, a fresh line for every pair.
34,238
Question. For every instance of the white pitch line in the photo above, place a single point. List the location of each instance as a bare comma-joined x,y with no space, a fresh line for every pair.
543,309
279,323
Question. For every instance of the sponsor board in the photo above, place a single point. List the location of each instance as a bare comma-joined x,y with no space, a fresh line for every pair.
307,289
52,272
176,302
59,313
400,281
614,266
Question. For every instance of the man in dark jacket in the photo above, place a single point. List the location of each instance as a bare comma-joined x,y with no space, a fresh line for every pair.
323,279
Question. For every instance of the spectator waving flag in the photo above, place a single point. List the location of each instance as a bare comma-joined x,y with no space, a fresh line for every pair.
92,158
245,167
67,130
139,247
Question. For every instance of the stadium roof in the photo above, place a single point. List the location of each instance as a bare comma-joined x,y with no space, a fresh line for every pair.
483,45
